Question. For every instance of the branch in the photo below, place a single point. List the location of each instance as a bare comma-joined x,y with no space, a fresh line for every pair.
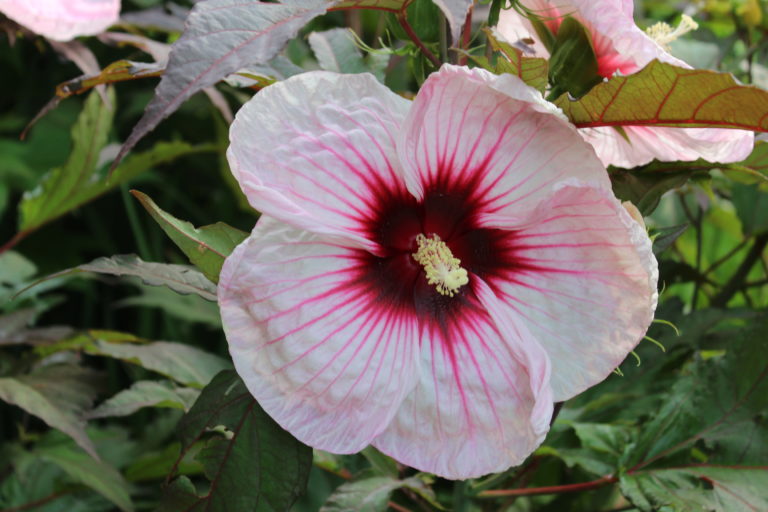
554,489
737,280
403,19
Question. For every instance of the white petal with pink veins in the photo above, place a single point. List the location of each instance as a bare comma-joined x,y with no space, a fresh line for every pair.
314,149
322,356
668,144
483,403
493,135
62,20
584,282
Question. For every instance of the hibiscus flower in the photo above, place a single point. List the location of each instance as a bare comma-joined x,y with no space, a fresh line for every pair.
621,47
427,276
62,20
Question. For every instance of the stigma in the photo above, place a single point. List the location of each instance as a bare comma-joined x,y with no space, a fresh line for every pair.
663,34
442,269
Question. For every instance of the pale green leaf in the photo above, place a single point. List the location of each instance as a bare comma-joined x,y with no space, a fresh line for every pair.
183,363
146,393
661,94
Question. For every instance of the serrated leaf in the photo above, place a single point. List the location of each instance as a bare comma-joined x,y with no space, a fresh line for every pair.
693,489
718,401
183,363
145,393
533,71
89,136
98,475
220,37
661,94
57,395
81,179
206,247
257,466
179,278
368,495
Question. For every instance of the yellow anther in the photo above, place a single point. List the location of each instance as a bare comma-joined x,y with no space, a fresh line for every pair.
440,266
663,34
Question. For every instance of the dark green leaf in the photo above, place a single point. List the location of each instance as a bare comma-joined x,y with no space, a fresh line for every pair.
206,247
718,402
256,466
573,63
751,202
700,488
97,475
664,238
644,189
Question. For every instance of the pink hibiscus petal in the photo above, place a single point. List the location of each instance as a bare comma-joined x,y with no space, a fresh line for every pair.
584,284
493,135
327,361
668,144
315,149
62,20
483,403
622,47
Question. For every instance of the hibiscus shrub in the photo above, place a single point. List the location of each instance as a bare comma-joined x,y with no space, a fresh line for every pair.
399,255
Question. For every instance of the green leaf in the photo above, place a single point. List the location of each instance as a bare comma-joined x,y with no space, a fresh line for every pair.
257,466
661,94
206,247
384,5
694,489
146,393
97,475
58,395
644,189
369,495
382,464
183,363
179,278
751,202
189,308
719,401
573,63
663,238
531,70
335,50
82,178
89,136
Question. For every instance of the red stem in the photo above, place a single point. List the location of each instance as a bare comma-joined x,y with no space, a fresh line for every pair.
466,36
402,18
554,489
10,244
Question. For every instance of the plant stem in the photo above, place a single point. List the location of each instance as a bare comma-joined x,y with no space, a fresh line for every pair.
10,244
554,489
736,282
403,19
133,220
460,501
38,503
466,35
